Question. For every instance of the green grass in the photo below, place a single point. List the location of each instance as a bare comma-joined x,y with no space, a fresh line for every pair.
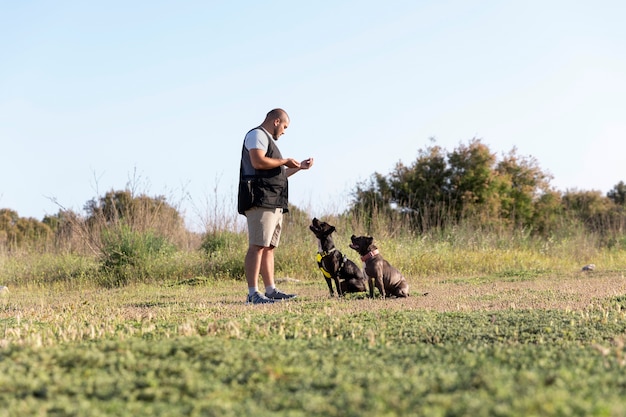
181,349
215,376
510,327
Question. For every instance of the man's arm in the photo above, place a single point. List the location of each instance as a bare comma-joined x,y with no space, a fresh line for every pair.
260,161
306,164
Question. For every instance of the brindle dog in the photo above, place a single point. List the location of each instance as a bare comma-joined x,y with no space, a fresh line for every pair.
379,272
334,265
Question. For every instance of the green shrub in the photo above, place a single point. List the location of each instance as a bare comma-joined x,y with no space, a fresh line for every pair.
127,254
216,243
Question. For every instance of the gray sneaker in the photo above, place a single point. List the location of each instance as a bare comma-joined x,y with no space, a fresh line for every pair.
258,298
279,295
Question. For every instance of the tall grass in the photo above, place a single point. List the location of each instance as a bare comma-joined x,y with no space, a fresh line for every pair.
150,246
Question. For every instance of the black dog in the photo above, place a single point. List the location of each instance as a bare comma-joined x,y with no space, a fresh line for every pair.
380,273
334,265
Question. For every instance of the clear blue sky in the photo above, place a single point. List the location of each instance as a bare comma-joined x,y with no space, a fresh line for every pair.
93,94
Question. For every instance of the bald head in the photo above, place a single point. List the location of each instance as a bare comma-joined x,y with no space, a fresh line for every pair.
277,114
276,121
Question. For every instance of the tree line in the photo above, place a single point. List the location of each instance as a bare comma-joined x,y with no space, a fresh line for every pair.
69,230
438,190
471,183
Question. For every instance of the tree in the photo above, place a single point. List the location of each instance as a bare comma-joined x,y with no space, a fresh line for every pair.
618,194
20,232
423,188
441,188
547,213
523,185
591,208
139,212
471,176
370,199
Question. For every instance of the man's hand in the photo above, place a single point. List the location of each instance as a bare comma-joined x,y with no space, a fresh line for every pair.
306,164
292,163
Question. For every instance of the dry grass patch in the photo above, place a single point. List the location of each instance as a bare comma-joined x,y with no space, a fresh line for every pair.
39,316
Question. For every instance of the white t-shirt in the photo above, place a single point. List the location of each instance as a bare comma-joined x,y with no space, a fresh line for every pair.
257,139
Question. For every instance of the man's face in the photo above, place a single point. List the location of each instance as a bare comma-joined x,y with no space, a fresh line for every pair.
279,127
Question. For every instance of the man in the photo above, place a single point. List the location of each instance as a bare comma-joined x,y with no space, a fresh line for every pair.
263,198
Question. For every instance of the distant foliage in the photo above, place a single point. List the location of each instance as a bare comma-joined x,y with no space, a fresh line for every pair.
129,232
140,212
19,232
126,233
597,213
618,194
442,189
127,255
218,242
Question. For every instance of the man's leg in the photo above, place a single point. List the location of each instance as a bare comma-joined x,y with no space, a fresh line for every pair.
264,228
252,263
267,272
267,266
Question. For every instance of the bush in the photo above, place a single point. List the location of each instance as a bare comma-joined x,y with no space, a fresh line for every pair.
127,254
215,243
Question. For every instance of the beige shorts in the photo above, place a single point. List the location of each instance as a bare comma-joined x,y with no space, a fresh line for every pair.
264,226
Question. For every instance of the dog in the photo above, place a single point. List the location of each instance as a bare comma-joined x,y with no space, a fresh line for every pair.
378,271
348,277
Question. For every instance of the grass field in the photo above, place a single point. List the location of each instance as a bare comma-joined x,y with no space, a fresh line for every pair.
493,345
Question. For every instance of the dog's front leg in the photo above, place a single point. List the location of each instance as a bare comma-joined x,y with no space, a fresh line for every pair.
370,284
381,287
338,285
330,286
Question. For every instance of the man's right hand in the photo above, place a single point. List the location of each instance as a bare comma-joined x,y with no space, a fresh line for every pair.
291,163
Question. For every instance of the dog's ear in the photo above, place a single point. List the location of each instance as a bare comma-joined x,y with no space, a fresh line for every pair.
332,229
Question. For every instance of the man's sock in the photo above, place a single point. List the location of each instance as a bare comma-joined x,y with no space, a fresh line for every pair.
270,289
252,290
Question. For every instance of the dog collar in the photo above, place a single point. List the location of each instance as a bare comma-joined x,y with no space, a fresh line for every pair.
322,255
319,258
369,255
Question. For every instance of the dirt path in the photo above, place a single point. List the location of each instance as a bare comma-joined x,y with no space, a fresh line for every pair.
574,293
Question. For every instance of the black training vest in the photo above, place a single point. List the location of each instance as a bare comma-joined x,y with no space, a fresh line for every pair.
270,186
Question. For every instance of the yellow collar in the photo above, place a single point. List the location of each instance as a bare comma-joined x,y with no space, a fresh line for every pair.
322,255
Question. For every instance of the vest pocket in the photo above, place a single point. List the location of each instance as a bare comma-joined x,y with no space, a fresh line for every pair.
245,199
269,192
